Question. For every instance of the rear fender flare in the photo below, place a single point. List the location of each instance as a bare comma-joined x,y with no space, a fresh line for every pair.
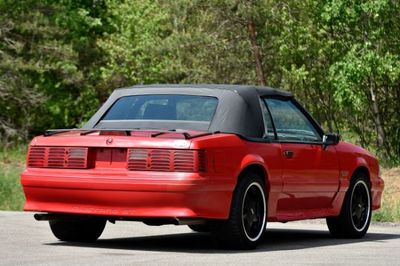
253,160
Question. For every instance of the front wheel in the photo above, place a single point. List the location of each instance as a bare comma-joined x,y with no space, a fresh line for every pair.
247,220
355,216
79,229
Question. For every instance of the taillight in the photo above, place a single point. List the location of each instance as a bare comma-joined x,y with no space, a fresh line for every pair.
58,157
36,157
166,160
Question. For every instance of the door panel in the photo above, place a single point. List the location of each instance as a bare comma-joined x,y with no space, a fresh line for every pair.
311,169
310,177
310,172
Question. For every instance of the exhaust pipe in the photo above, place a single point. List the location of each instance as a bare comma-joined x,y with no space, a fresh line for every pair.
55,216
43,216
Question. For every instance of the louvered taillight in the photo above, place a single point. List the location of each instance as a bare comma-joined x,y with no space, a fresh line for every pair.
166,160
58,157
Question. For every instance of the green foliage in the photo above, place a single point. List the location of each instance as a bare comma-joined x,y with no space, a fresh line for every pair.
343,55
387,213
134,48
60,59
11,165
47,68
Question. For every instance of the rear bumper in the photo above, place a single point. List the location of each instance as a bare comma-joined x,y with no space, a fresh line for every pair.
133,194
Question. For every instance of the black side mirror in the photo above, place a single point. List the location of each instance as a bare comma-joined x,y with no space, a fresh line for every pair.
330,139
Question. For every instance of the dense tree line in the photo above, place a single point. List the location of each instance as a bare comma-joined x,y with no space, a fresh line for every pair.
60,59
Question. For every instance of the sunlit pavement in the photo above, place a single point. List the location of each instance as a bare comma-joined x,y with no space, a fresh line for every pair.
26,241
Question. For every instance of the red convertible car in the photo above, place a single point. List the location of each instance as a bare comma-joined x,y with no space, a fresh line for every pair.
219,158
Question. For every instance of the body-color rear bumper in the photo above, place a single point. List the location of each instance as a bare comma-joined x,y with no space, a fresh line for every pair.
133,194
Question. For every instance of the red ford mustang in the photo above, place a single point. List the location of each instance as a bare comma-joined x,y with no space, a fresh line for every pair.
219,158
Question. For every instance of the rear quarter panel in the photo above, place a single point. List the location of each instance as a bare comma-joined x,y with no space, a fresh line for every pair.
229,155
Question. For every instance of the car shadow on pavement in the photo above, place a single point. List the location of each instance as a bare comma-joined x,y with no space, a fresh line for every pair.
274,240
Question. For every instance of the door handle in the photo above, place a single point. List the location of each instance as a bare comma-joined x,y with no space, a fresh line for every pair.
288,154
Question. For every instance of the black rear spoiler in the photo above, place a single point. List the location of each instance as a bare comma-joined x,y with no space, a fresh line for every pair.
128,132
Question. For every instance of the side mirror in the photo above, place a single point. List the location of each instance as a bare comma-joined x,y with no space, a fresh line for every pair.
330,139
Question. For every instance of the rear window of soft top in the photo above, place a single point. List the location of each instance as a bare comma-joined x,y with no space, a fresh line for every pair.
163,107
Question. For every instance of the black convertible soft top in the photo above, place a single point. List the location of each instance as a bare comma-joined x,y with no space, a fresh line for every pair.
238,109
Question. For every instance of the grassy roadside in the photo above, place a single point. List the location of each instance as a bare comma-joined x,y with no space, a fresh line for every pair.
11,164
390,210
11,197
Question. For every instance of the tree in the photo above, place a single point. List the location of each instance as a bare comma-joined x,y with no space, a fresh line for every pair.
60,59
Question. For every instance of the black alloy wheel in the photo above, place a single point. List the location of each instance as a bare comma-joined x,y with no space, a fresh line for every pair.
248,215
355,215
253,211
360,205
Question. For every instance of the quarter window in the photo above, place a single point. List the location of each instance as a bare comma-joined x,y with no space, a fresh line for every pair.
290,123
269,128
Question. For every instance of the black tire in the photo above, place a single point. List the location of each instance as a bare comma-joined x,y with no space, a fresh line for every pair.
201,228
355,215
248,215
79,229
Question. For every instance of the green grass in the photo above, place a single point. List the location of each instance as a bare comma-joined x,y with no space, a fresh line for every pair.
11,165
390,210
387,213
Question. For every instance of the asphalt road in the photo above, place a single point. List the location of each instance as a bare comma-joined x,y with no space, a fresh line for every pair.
24,241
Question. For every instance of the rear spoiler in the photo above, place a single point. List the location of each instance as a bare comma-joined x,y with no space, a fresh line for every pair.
128,132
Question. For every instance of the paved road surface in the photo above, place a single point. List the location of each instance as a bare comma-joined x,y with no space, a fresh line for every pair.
24,241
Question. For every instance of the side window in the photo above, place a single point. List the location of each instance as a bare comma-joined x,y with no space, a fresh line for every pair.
290,123
269,129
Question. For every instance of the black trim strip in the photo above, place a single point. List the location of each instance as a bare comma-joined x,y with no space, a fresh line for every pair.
298,142
270,117
51,132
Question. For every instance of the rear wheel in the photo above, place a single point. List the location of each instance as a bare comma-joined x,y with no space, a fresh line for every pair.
247,220
80,229
355,216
